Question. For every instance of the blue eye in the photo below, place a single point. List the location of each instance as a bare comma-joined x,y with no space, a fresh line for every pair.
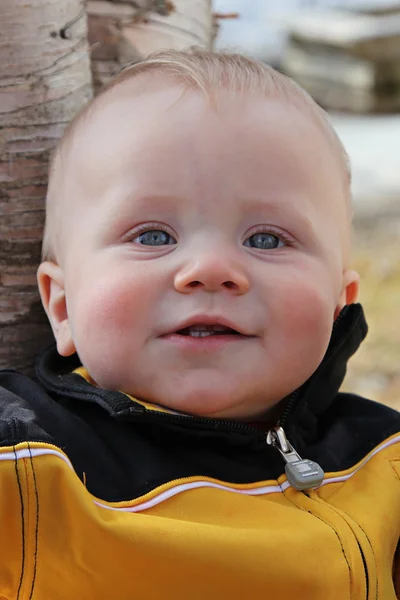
263,241
155,237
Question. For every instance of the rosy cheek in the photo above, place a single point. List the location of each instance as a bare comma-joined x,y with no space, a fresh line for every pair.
304,306
107,306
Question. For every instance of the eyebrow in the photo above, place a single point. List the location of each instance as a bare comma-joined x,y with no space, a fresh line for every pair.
168,202
153,200
276,207
256,204
142,202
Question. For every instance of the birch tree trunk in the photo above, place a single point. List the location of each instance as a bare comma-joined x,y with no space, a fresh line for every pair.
44,80
123,31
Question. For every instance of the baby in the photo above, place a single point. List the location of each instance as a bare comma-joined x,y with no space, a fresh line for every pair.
186,438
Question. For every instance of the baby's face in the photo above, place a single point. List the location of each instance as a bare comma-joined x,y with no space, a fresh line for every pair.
204,266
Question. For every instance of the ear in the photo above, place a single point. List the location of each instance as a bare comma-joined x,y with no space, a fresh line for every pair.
350,290
50,279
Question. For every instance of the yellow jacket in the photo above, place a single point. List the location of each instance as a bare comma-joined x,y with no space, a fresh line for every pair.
105,497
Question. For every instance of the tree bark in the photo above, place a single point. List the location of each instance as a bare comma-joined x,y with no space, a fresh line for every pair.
44,80
121,32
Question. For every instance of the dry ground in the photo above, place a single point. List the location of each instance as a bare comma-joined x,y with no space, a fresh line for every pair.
374,371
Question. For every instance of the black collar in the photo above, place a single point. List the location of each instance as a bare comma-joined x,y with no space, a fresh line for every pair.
316,395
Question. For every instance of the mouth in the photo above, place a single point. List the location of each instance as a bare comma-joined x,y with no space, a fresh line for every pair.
207,326
205,334
202,331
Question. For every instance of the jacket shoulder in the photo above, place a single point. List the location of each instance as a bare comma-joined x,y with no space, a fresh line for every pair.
363,410
352,427
22,402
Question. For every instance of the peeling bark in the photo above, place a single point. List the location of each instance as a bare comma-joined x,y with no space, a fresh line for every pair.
121,32
44,81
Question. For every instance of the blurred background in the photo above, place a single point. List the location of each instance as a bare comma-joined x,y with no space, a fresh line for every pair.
56,55
347,55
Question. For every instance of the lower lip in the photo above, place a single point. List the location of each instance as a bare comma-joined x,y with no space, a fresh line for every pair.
210,342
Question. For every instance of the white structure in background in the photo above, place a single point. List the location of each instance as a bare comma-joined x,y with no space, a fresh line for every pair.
262,26
253,30
373,143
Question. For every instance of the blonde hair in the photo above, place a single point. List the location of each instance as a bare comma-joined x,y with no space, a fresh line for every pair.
203,71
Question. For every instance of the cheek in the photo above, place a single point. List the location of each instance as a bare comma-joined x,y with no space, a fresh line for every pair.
110,307
305,310
306,306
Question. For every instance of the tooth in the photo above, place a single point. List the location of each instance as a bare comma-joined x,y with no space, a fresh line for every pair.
207,328
199,334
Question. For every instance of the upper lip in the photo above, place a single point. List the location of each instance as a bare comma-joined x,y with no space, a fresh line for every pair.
208,320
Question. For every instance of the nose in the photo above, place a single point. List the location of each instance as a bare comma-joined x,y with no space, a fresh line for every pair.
212,273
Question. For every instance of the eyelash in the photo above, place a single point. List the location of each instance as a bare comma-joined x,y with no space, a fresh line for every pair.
282,235
143,227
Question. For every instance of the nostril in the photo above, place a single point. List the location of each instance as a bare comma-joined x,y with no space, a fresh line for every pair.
194,284
230,285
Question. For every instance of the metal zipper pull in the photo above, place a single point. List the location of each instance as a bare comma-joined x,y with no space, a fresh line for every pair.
302,474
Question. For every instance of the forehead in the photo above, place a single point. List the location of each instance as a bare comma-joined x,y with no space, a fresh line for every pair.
154,137
129,119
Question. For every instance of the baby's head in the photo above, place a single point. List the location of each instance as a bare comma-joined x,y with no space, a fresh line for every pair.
197,235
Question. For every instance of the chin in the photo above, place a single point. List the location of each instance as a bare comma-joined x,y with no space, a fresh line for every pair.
202,403
226,404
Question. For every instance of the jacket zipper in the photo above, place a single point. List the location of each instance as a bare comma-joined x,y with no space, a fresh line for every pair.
301,473
367,574
216,424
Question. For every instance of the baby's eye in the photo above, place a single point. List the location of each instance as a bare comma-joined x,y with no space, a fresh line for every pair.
154,237
264,241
